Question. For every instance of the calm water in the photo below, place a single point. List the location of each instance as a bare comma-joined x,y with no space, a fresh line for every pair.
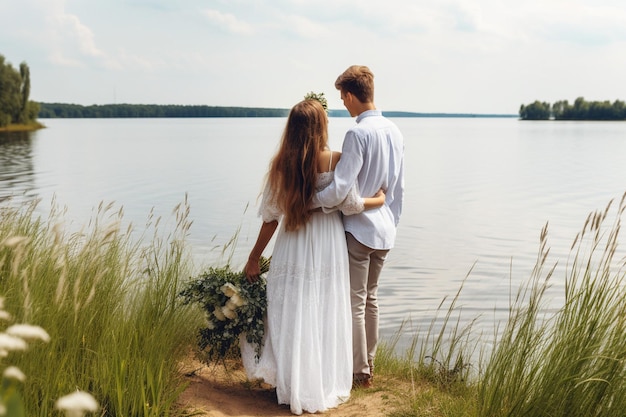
478,192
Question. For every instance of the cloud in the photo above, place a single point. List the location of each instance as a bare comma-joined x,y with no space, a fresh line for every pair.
428,55
304,27
60,36
228,22
588,26
72,41
578,22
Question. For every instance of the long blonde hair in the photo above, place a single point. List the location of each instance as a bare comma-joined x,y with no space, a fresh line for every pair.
293,170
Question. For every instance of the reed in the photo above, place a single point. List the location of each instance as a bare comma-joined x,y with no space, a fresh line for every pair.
570,363
110,305
438,366
546,361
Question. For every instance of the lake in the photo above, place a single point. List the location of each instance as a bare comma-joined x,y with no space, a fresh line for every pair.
478,193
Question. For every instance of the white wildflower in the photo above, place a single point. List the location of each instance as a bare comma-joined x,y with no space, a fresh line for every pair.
210,325
4,315
229,289
229,313
14,241
218,314
9,343
28,332
77,404
13,372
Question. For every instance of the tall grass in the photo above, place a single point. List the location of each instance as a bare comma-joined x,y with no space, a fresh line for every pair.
118,329
571,363
443,356
109,303
546,361
438,366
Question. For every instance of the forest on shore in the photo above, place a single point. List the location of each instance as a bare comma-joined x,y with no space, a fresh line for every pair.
580,110
64,110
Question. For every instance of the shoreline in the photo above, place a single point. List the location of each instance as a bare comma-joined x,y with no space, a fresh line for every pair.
23,128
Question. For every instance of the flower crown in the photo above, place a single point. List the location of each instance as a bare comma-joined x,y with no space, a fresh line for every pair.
319,97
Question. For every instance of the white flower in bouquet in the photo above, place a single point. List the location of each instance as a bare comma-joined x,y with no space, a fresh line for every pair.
218,314
238,300
233,307
229,289
230,304
231,314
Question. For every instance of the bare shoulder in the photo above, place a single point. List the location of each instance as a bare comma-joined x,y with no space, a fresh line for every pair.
326,163
336,158
324,160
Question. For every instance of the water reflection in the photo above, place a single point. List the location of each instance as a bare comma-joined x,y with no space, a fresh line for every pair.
16,165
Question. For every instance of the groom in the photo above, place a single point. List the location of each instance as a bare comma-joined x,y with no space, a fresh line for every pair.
373,158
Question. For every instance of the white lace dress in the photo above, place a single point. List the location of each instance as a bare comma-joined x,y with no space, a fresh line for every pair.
307,353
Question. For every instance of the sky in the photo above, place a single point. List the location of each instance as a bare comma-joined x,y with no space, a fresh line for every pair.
449,56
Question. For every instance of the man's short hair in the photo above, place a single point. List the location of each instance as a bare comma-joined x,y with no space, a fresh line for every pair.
359,81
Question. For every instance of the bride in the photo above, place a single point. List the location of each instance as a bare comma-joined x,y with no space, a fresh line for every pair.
307,354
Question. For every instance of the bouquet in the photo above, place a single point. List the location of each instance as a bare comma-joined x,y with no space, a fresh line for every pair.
232,305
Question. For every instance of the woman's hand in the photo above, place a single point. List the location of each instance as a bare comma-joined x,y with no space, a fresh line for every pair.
252,270
375,202
380,196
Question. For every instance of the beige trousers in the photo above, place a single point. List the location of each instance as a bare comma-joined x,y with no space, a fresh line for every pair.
365,266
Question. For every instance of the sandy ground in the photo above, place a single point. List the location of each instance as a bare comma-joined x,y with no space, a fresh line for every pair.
219,391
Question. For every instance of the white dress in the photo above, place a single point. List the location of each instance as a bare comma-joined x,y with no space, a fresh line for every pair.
307,353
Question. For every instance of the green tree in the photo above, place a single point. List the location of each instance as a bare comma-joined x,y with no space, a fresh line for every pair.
560,109
15,106
24,93
9,93
619,110
581,109
535,111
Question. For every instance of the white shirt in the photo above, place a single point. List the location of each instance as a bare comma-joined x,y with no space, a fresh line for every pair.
373,158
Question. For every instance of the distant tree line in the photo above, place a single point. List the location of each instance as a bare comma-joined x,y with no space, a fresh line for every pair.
580,110
61,110
15,107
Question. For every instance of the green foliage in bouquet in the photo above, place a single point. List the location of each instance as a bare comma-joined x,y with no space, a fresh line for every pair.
319,97
232,305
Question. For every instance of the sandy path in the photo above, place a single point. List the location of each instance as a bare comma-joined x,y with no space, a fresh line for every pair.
217,392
